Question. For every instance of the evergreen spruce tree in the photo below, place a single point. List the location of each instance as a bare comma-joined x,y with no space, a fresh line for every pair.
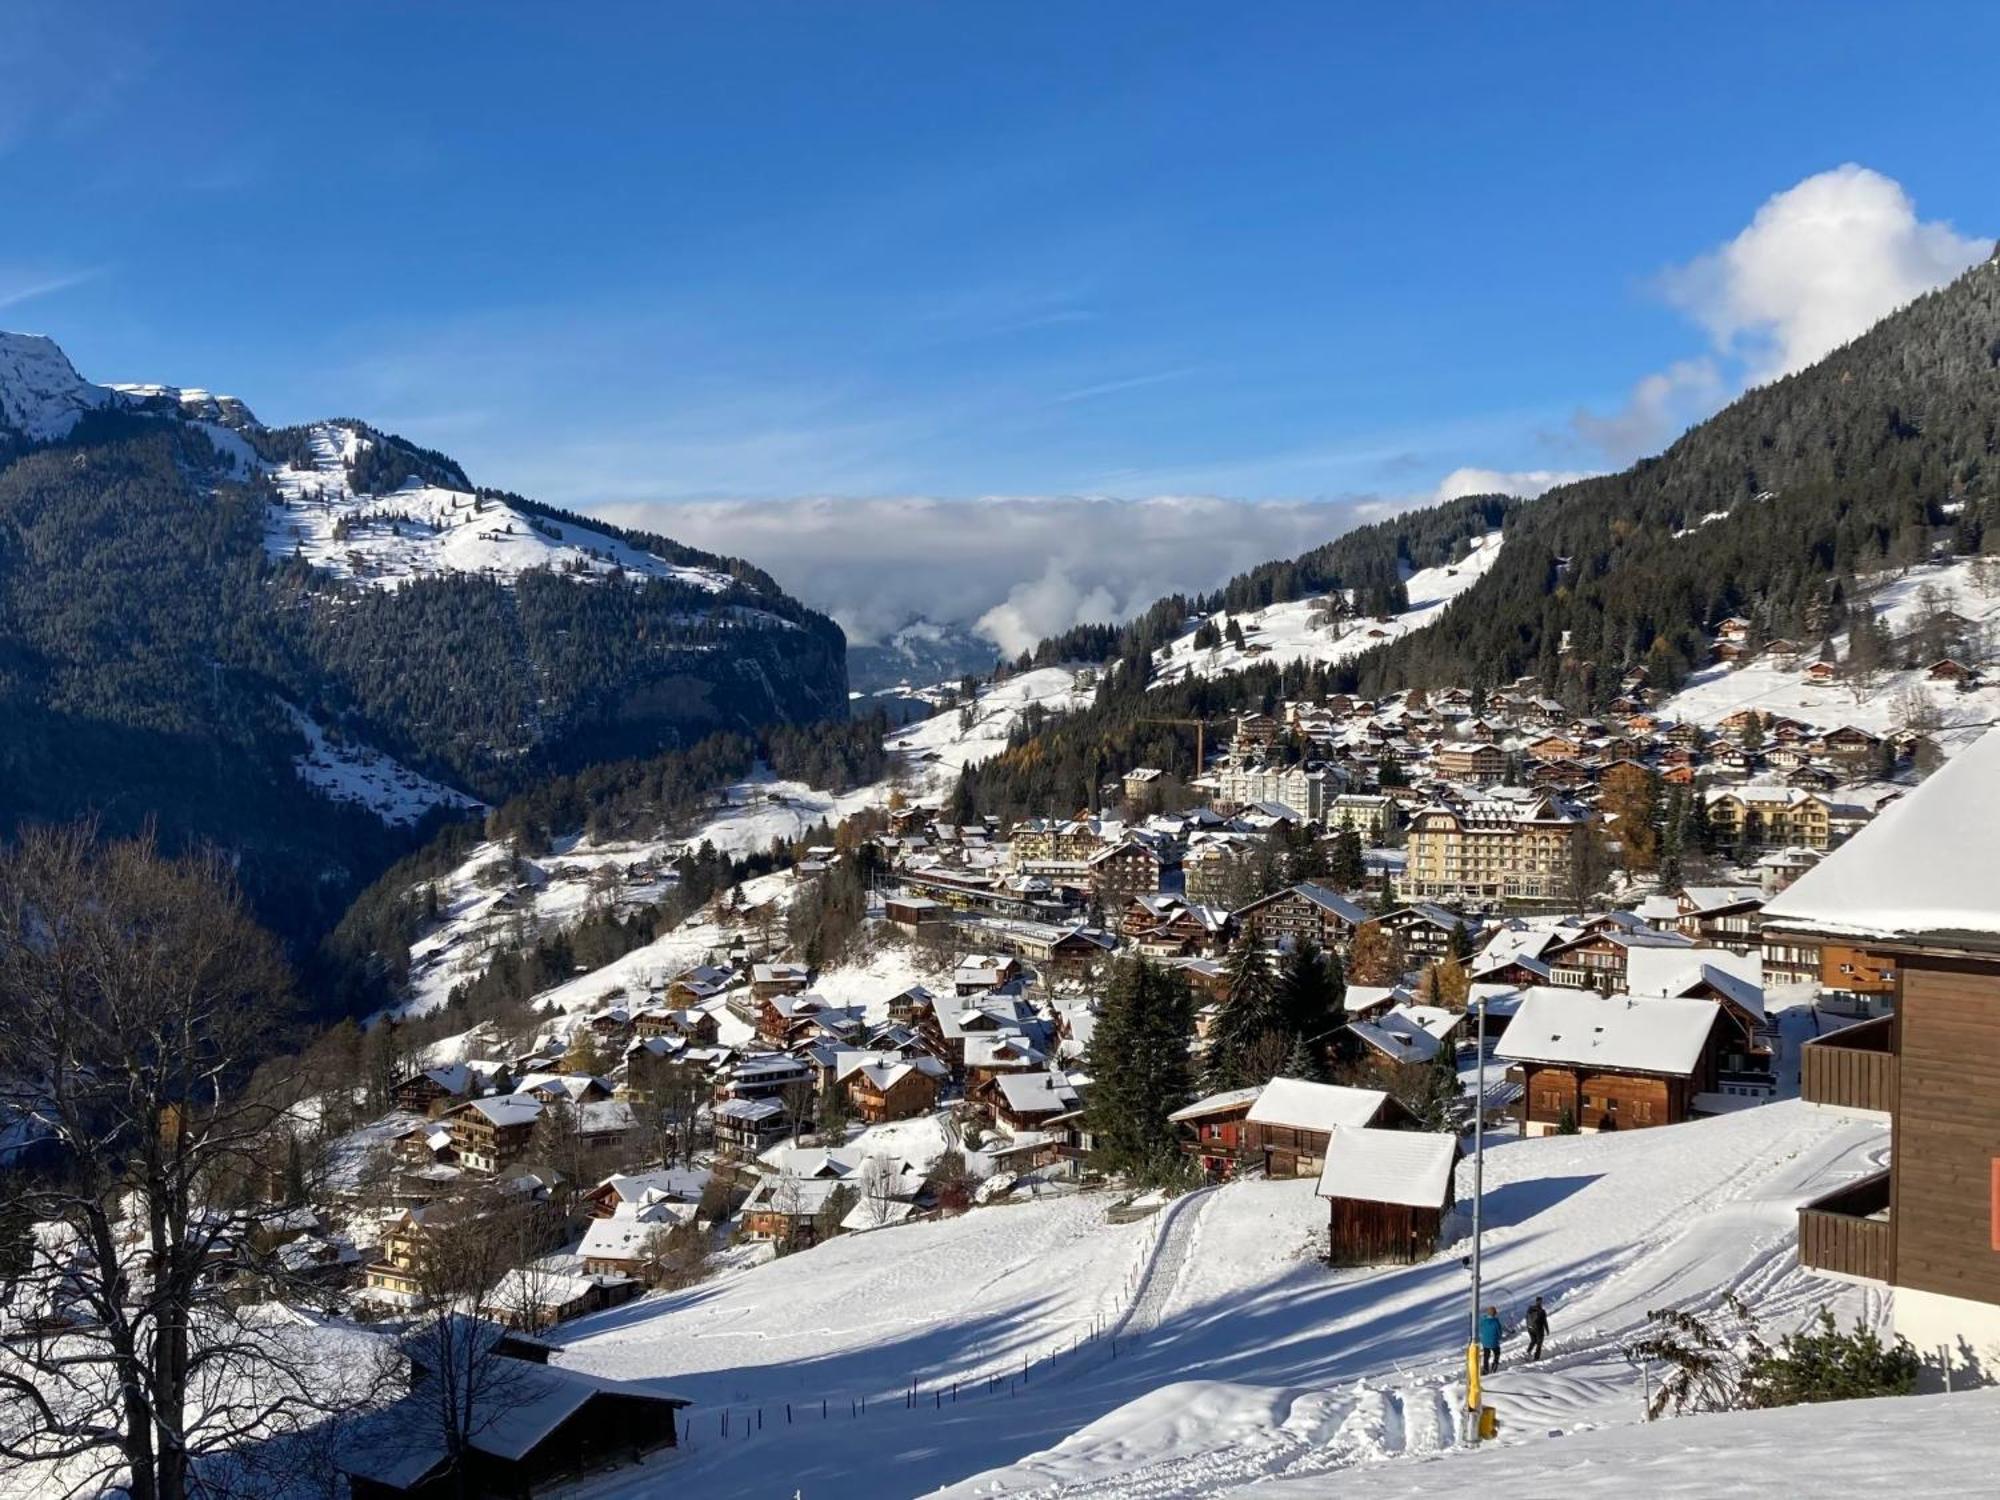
1311,991
1249,1012
1140,1062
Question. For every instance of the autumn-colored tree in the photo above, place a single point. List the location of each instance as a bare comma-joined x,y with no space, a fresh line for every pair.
1631,795
1447,984
1377,956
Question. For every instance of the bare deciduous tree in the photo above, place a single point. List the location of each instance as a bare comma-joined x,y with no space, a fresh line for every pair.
139,995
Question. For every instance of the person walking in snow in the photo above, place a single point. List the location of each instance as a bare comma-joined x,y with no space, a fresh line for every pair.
1489,1341
1538,1328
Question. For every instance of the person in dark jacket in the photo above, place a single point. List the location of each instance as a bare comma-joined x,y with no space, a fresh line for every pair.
1489,1341
1538,1327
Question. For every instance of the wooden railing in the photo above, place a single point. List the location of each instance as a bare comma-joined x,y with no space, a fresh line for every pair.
1849,1232
1852,1068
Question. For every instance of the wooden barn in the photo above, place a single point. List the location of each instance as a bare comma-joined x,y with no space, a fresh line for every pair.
1387,1193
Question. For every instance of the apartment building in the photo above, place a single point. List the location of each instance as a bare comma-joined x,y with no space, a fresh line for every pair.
1520,847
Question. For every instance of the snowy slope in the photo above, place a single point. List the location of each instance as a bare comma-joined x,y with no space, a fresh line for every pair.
420,530
1285,632
41,395
1846,1448
933,751
347,771
1239,1355
1774,688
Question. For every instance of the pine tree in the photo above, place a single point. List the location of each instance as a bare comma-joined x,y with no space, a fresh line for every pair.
1139,1059
1311,992
1376,956
1345,867
1249,1012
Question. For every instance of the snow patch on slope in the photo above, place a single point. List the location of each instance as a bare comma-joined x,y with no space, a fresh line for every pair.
384,540
348,771
1286,633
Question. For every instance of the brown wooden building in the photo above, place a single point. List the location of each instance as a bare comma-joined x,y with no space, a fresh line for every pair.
1292,1120
1610,1062
1387,1193
1212,1130
1922,889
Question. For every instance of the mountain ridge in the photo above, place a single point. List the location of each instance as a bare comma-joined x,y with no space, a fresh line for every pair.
180,585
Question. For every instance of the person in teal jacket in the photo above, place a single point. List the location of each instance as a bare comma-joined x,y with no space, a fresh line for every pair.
1489,1341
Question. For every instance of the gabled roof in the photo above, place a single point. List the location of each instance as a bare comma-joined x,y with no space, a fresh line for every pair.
1315,1106
1578,1028
1215,1104
1412,1167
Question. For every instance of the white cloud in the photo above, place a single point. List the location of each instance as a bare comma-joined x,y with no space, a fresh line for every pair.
1527,483
1662,406
1820,263
1020,568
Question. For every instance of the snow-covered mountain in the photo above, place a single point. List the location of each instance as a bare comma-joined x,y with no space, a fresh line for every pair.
918,654
266,637
41,395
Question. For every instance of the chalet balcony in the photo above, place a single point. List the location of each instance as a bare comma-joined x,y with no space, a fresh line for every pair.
1848,1232
1852,1068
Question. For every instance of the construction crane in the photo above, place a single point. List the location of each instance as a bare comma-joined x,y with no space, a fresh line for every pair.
1200,727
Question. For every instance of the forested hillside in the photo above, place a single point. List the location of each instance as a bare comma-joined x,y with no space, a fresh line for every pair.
164,622
1883,454
1768,509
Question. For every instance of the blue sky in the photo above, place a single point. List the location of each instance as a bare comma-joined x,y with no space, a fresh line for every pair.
677,252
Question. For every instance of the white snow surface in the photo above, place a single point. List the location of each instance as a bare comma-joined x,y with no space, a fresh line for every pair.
934,750
421,530
349,771
1841,1448
1240,1357
1284,633
1929,865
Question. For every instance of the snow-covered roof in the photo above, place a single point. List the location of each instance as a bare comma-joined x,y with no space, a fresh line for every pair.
1315,1106
509,1109
1926,870
1215,1103
526,1402
1412,1167
1619,1031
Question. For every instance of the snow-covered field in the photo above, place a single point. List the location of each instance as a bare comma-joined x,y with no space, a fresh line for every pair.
1939,1446
1239,1356
1773,687
1285,633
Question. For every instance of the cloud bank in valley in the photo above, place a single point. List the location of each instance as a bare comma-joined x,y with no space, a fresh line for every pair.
1019,568
1820,263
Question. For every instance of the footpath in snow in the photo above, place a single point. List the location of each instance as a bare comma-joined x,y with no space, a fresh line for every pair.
1225,1352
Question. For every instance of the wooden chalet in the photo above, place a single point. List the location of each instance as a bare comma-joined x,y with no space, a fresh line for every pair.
1301,911
887,1086
1291,1120
490,1135
1922,890
1387,1192
1599,1062
1212,1130
546,1425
